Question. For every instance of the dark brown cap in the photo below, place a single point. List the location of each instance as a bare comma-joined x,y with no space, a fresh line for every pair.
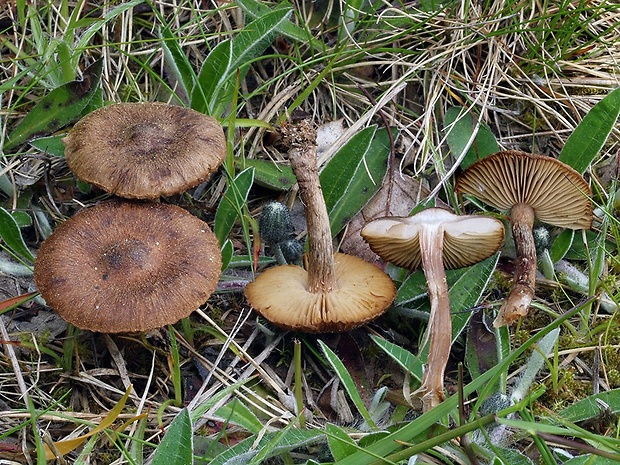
145,150
126,266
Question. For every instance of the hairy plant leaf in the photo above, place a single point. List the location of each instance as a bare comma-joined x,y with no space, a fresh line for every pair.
268,445
231,205
12,236
57,109
561,245
271,175
219,71
348,383
180,66
603,403
354,174
460,125
256,9
409,362
237,413
590,135
51,145
176,448
340,443
227,253
466,292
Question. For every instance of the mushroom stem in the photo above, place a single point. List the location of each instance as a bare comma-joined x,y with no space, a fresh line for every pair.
522,292
302,157
440,322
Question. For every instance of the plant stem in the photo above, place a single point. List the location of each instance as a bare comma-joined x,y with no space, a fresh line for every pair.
302,157
524,281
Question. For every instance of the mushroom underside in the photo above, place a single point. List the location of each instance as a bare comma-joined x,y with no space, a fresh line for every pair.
362,293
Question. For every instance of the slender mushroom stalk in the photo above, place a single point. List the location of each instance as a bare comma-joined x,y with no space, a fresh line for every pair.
302,157
524,281
435,239
336,292
529,186
440,321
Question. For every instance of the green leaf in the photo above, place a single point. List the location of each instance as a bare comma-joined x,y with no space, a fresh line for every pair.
408,362
231,205
561,245
57,109
271,175
593,406
348,383
354,174
460,125
176,448
253,450
256,9
590,135
237,413
227,253
177,61
52,145
12,236
219,71
466,292
340,443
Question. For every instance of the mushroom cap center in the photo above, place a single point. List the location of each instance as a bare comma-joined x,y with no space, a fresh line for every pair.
129,256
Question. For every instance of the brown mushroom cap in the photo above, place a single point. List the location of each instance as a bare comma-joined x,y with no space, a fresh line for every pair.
558,194
468,239
126,266
145,150
362,293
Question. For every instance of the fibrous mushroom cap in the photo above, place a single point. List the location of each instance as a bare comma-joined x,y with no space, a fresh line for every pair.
281,295
558,194
126,266
145,150
468,239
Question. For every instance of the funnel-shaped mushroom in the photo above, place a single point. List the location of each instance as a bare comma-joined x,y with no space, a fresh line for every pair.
336,292
127,266
435,239
145,150
529,186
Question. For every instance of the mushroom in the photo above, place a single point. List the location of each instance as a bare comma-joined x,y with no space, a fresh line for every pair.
529,186
436,239
145,150
125,266
336,292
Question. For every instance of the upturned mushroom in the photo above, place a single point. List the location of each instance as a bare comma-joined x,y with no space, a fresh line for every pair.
436,239
336,292
145,150
125,266
529,187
